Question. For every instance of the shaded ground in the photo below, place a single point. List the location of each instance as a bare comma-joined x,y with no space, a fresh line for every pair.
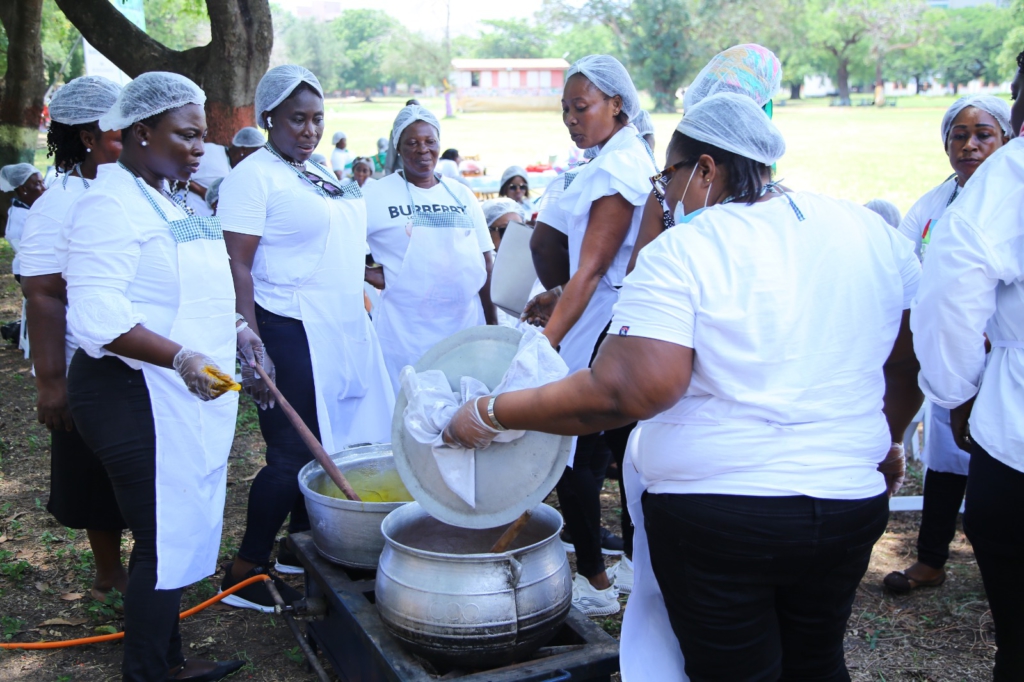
45,572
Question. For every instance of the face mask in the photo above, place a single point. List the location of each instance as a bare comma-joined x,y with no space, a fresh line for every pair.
680,214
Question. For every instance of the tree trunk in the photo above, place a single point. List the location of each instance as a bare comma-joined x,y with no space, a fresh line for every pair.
664,96
842,80
794,90
228,68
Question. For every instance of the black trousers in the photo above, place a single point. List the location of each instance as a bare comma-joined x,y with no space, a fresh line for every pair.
994,523
110,404
943,494
275,492
760,588
81,495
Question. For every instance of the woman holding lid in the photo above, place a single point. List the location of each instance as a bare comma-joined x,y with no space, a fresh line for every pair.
758,478
297,240
80,492
429,234
151,306
973,128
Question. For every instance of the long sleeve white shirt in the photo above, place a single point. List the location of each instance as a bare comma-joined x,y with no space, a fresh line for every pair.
973,283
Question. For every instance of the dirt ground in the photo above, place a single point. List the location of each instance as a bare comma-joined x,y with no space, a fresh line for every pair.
45,572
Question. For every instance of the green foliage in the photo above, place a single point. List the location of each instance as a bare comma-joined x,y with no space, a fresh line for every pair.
579,40
10,626
416,58
59,38
364,36
974,37
510,39
178,24
313,44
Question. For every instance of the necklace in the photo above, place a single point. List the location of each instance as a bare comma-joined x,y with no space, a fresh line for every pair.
294,164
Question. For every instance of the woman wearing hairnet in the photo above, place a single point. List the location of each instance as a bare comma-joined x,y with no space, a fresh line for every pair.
80,492
973,128
602,207
754,479
514,184
429,234
245,142
151,306
296,237
645,127
27,184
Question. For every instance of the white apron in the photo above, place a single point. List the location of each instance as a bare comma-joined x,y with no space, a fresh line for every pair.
354,398
437,292
193,437
648,648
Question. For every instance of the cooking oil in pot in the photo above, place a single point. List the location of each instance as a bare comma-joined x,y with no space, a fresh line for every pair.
370,484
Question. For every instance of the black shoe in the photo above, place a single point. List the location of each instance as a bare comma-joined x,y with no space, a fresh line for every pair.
286,561
256,596
611,544
223,669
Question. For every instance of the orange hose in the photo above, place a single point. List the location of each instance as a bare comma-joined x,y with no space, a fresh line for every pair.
120,635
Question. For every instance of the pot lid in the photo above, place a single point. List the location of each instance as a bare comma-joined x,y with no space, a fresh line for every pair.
510,477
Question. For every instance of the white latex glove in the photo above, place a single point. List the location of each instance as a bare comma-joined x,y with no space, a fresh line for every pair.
468,429
251,351
894,468
202,376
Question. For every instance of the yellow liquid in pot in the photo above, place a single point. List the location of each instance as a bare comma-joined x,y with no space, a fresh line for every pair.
371,486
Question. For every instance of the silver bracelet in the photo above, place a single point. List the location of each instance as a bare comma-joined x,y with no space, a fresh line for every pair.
490,414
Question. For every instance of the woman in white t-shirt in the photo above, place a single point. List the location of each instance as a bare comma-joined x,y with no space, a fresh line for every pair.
296,236
754,480
973,128
429,234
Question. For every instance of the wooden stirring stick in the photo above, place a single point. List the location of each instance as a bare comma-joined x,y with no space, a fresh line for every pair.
511,533
310,440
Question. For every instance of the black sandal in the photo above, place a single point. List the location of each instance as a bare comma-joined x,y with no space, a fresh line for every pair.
900,584
222,670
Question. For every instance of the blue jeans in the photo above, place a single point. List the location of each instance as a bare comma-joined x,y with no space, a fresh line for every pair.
760,588
275,492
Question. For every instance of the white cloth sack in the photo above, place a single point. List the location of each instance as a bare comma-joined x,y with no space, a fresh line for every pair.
432,404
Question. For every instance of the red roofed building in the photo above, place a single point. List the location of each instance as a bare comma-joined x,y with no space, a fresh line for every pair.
508,84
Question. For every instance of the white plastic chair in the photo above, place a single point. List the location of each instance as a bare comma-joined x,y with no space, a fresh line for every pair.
23,334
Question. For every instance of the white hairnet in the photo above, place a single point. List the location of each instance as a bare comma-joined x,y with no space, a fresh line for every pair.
213,192
14,176
83,100
338,137
611,78
248,137
887,210
364,160
148,95
511,172
735,123
278,84
409,115
495,208
382,144
749,69
999,109
318,158
643,123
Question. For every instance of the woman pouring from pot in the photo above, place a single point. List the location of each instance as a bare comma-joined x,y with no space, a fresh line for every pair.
430,235
151,304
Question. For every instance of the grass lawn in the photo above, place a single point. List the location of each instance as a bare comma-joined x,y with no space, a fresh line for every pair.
856,153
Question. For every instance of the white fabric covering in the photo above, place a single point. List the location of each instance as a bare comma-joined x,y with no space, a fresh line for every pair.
735,123
148,95
495,208
511,172
925,213
278,84
787,386
409,115
998,108
248,137
749,69
15,175
83,100
889,211
610,77
643,123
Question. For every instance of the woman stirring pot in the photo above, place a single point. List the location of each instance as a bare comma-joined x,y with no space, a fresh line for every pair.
151,305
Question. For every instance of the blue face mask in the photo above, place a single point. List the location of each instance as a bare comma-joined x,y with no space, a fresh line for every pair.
680,215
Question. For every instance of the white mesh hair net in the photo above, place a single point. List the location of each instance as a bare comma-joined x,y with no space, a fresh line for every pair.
643,123
748,69
409,115
83,100
511,172
999,109
495,208
278,84
14,176
611,78
213,192
887,210
735,123
338,137
151,94
382,144
248,137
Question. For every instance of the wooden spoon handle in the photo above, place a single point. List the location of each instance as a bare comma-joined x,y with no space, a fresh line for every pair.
309,439
511,533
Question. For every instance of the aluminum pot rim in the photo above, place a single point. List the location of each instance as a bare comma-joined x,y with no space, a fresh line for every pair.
409,509
347,456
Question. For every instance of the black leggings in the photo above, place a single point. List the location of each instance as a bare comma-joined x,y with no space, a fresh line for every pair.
110,404
943,495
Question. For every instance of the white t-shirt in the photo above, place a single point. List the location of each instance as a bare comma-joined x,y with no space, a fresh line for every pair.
973,283
341,160
266,198
16,217
926,211
213,164
791,322
388,211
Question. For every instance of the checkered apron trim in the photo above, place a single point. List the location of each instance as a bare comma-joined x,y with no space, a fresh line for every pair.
185,229
349,190
76,169
445,219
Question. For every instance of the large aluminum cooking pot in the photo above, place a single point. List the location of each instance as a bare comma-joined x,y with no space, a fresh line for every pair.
347,532
446,597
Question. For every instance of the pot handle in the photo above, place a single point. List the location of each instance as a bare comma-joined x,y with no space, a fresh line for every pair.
561,676
515,570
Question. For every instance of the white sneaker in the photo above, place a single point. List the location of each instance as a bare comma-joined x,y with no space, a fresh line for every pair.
621,575
594,602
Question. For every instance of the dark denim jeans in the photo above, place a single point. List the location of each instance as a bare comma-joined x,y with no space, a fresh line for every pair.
943,494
